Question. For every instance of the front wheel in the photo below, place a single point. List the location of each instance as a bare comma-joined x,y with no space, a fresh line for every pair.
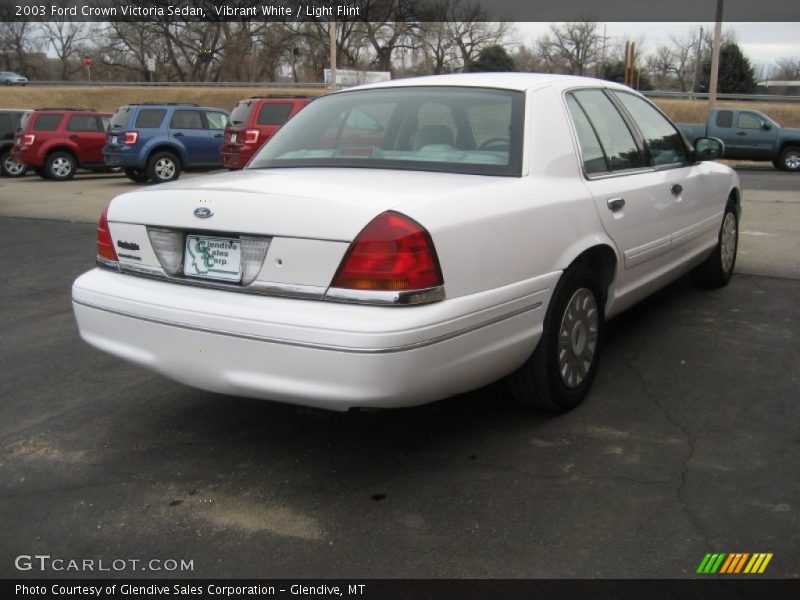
789,159
11,167
717,270
163,167
560,372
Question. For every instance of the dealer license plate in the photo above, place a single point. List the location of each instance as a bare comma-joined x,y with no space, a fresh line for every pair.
233,138
213,258
113,139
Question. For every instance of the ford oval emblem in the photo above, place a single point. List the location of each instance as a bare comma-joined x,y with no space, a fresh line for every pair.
203,212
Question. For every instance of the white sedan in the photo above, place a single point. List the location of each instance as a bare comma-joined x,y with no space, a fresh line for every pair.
398,243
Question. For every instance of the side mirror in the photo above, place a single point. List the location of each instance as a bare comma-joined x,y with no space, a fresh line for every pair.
766,126
708,148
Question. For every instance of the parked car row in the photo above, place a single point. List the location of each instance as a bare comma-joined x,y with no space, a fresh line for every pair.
148,141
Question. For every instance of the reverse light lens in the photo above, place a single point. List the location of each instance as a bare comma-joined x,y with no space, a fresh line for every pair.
251,136
168,246
254,250
105,243
392,253
28,139
131,137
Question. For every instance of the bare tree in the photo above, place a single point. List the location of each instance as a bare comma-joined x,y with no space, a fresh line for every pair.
786,69
572,48
18,40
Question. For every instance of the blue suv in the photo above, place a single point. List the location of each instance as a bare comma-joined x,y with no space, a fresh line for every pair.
156,141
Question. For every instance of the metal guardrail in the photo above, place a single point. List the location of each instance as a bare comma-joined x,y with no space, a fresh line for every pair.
723,97
168,84
291,84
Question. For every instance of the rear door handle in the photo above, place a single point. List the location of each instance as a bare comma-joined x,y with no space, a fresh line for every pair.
741,133
74,138
218,135
615,204
676,189
178,134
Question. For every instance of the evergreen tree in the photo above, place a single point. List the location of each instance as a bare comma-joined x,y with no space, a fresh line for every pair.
492,59
736,75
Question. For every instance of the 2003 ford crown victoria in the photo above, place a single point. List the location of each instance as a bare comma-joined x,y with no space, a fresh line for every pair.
402,242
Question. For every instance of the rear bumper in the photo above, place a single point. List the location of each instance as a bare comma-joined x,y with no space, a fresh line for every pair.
120,159
236,156
29,157
314,353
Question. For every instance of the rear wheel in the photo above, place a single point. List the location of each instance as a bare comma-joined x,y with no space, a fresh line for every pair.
11,167
163,167
137,175
717,270
559,373
789,159
60,165
40,172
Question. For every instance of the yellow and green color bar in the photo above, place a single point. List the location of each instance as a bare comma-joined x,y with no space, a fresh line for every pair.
736,562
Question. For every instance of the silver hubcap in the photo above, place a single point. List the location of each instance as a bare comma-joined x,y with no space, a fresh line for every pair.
165,168
61,167
577,338
792,161
13,167
728,242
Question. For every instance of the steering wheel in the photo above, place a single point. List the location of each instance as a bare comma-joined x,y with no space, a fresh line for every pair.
497,141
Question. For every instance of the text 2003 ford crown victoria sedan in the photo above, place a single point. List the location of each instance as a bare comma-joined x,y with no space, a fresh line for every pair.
402,242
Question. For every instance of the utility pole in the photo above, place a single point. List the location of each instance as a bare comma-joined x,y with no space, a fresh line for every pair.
333,54
712,86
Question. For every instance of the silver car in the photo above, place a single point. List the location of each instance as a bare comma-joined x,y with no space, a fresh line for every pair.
11,78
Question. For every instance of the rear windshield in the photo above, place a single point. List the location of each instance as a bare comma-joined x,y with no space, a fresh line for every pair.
150,118
241,112
120,118
47,122
450,129
274,114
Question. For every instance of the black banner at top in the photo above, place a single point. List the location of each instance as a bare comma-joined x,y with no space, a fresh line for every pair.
401,10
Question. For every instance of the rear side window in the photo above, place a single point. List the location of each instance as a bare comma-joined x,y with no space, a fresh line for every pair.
47,122
594,160
82,123
186,119
618,144
725,118
241,112
216,120
150,118
274,114
662,139
23,120
5,124
120,118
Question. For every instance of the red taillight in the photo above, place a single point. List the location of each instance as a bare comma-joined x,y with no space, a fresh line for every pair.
28,139
392,253
251,136
105,244
131,137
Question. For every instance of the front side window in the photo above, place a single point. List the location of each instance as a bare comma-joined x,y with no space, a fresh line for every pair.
449,129
747,120
618,144
186,119
47,122
663,141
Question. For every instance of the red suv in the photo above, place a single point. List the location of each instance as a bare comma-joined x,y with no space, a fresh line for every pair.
57,141
252,123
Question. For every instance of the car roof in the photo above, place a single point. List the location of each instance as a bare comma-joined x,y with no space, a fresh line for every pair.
507,81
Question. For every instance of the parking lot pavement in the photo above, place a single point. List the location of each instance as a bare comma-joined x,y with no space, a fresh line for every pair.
687,444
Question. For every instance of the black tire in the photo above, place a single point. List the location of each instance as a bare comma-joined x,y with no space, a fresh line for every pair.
789,159
11,168
716,270
60,166
40,172
163,167
136,175
539,382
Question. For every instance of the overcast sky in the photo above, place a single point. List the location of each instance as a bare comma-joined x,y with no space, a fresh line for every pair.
761,42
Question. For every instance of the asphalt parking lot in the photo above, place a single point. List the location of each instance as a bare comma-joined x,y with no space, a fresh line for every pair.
688,443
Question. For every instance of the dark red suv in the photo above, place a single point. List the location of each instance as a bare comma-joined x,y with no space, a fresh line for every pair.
57,141
252,123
